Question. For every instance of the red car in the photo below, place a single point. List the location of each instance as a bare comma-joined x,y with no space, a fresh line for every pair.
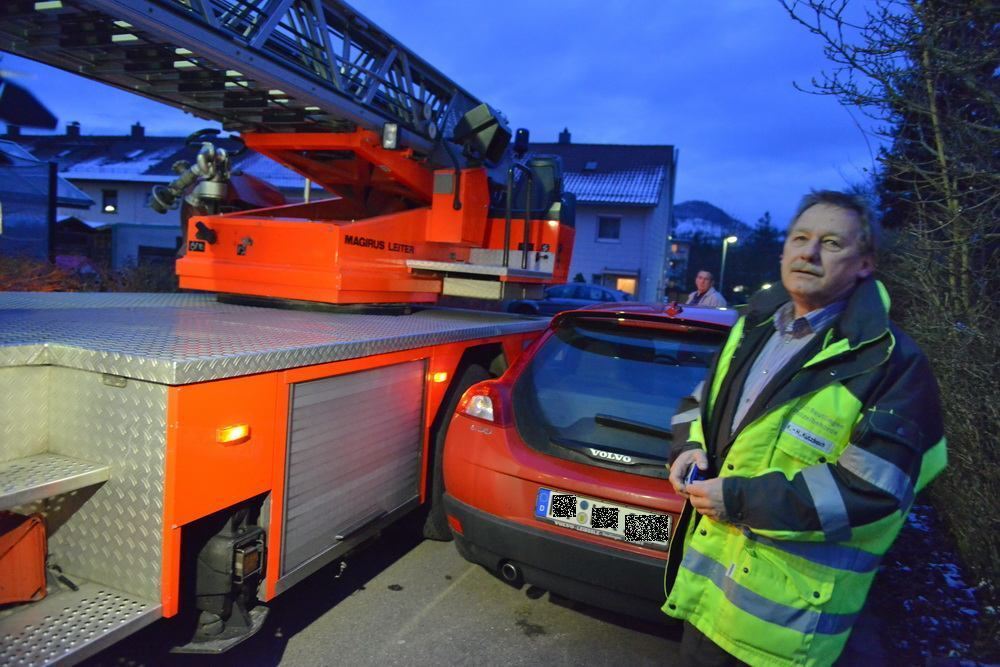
555,473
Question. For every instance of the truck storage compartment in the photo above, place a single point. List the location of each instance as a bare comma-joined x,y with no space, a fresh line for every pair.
354,452
85,451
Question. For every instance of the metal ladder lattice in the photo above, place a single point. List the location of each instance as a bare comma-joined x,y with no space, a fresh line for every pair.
253,65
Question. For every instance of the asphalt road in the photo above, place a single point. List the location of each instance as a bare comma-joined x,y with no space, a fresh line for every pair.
405,601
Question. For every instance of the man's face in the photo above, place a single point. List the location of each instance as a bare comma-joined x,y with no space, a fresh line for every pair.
703,281
822,259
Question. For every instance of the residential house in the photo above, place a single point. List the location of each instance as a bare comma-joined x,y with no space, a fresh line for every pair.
118,174
624,197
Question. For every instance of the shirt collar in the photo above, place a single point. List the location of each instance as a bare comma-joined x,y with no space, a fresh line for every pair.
812,322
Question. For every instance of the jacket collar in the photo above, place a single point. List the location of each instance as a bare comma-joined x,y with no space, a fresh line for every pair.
865,318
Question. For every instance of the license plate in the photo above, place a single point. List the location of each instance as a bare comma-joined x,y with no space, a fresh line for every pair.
600,517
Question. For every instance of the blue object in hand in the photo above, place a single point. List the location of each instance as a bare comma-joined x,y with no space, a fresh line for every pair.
694,474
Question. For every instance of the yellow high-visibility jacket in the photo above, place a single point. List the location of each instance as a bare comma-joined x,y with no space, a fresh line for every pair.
819,477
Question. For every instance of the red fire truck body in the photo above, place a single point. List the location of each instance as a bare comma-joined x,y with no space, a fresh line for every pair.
194,454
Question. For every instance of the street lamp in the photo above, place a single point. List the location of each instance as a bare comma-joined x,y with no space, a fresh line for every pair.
722,272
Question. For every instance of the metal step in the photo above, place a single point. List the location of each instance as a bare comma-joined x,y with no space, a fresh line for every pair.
508,272
69,626
40,476
491,282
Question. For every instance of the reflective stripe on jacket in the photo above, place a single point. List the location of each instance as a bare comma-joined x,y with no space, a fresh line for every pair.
820,475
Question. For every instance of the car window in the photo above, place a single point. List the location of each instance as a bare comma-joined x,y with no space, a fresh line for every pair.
608,295
560,292
592,368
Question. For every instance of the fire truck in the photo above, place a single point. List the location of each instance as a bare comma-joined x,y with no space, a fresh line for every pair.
193,455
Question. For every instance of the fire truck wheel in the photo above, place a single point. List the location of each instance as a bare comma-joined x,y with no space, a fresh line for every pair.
436,524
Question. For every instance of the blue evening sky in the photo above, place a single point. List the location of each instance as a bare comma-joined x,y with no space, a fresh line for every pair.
712,78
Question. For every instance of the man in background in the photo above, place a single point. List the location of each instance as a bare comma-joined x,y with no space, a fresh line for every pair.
705,295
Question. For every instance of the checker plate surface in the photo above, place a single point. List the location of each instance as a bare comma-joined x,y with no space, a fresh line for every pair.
183,338
43,475
68,626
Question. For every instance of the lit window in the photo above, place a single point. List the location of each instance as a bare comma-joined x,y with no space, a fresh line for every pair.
609,228
626,285
109,201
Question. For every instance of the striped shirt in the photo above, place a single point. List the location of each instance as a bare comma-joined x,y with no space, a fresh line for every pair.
790,335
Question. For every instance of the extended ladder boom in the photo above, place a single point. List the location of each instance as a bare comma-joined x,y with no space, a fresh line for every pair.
310,84
252,65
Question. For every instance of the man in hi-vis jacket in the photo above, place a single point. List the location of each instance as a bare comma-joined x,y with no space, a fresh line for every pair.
818,423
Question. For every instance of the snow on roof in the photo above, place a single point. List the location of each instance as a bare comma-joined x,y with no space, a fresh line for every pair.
106,224
10,149
628,175
131,167
622,174
636,187
267,169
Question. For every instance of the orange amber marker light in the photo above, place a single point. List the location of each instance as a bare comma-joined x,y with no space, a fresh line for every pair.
440,376
232,435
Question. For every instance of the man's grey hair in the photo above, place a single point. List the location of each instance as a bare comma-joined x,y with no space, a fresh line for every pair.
870,231
710,276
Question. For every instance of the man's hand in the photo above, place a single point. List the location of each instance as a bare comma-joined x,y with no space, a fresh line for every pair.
706,497
679,470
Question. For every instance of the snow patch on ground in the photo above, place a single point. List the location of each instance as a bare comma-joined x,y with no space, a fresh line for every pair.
929,615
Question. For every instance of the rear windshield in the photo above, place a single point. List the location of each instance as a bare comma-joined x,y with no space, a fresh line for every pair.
598,384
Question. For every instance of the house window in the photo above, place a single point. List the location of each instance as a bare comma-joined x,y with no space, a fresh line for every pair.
609,228
109,201
626,285
595,278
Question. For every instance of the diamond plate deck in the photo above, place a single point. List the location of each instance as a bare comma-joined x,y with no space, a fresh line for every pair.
182,338
43,475
68,626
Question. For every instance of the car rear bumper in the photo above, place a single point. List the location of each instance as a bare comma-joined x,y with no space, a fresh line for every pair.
611,579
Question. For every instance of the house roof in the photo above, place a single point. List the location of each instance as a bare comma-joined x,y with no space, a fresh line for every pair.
140,158
637,187
77,222
24,174
619,174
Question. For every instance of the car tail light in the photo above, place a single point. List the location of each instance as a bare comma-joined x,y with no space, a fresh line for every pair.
486,401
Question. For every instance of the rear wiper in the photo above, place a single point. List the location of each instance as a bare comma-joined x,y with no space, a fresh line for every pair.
632,425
